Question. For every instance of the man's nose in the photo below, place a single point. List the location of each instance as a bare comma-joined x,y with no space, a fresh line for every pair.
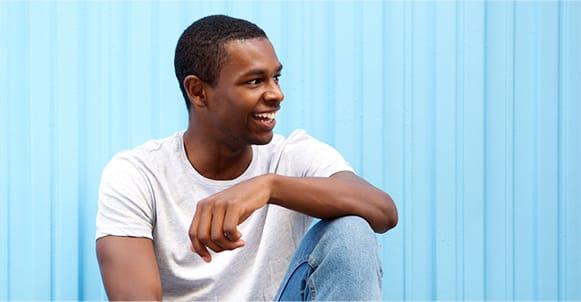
274,93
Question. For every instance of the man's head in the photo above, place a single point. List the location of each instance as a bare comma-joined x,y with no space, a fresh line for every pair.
228,72
201,47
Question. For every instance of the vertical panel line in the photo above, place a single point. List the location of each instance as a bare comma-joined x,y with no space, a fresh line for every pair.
52,151
26,113
460,76
358,30
8,190
82,143
456,172
513,157
109,99
331,82
410,123
484,143
403,144
456,130
384,146
127,19
433,142
302,56
155,70
559,157
5,134
536,159
52,147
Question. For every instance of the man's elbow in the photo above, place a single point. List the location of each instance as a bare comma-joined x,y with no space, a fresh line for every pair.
387,214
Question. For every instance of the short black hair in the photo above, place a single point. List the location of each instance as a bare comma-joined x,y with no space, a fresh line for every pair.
200,49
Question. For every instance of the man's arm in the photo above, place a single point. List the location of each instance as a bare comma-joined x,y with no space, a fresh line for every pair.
129,268
344,193
216,220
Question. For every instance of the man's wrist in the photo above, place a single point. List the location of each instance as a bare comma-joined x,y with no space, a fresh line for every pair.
271,180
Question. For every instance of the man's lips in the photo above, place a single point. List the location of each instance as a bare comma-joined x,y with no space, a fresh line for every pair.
265,120
265,115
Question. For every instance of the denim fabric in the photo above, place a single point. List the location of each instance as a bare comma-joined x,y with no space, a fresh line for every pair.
337,260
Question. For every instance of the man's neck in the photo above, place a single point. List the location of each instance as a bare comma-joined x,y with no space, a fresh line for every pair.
214,159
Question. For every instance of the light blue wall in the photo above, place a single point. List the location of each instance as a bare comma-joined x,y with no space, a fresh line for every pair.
468,114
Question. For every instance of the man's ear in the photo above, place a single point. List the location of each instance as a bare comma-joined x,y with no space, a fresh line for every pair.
196,90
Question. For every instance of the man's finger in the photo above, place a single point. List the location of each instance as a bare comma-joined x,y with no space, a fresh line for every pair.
230,227
204,228
196,246
201,250
217,233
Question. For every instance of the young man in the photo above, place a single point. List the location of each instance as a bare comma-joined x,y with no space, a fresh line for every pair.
217,212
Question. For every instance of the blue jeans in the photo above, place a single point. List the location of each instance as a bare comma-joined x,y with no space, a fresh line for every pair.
337,260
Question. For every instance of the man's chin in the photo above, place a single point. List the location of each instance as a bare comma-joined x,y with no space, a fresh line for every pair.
263,139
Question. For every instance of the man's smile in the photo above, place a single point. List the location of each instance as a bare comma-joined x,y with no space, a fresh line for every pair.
265,115
265,120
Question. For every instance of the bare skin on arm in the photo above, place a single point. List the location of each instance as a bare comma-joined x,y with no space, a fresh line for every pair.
129,268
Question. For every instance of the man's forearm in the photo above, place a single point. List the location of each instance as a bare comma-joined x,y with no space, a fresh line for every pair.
331,197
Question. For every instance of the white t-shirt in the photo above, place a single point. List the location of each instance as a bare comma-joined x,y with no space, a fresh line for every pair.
152,191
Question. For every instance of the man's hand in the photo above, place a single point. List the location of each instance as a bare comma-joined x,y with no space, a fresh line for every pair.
215,223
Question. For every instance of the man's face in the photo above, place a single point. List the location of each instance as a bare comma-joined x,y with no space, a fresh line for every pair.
243,104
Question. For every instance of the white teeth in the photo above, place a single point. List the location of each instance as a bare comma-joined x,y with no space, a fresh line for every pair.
270,116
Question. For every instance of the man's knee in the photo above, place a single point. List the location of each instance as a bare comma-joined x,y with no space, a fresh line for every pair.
347,256
346,239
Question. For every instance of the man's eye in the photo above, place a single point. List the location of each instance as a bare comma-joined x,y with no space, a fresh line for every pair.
277,78
254,82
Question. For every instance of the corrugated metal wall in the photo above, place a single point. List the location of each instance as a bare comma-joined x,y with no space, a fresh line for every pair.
467,113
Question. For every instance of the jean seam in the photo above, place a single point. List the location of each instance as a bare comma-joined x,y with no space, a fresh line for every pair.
313,263
380,270
312,288
299,263
291,271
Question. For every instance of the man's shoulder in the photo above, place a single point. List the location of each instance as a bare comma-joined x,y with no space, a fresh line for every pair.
149,153
153,148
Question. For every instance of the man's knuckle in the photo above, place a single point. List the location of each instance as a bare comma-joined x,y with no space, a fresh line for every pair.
203,203
229,230
216,248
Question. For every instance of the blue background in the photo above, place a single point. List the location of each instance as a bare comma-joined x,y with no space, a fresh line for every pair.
468,114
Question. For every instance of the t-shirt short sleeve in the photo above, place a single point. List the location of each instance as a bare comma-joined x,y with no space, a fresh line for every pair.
305,156
125,201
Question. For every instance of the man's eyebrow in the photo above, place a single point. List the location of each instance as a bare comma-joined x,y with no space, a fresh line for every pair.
279,68
260,72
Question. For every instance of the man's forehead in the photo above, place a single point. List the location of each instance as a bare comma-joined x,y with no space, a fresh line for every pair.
251,53
247,44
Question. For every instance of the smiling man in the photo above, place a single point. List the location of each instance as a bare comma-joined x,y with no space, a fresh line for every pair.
222,210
